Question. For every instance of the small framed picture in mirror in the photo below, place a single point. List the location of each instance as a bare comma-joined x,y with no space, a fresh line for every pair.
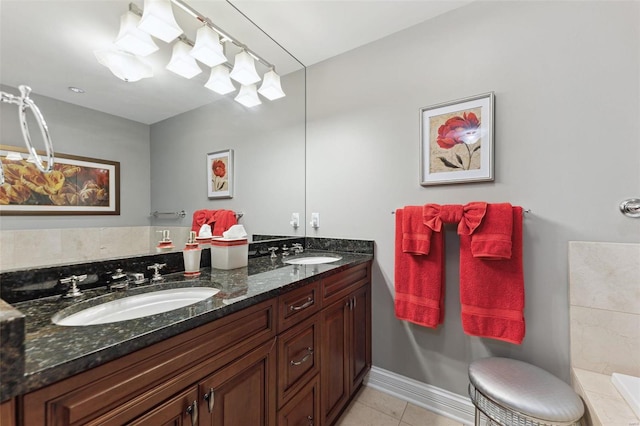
220,174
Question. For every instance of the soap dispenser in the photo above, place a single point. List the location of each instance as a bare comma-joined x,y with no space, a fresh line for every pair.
191,254
165,244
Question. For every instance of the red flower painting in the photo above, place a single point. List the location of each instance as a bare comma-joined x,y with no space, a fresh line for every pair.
459,130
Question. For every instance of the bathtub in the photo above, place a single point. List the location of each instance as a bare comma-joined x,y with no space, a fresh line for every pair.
629,388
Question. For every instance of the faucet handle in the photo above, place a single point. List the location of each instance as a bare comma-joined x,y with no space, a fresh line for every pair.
156,271
273,252
297,248
73,291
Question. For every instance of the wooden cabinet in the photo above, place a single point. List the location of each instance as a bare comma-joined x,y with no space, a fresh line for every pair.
294,360
345,341
8,413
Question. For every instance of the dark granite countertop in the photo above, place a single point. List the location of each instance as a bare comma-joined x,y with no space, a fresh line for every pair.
52,352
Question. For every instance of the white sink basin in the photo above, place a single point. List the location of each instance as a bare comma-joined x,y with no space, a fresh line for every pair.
137,306
312,260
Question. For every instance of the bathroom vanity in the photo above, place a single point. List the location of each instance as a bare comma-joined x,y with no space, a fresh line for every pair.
285,347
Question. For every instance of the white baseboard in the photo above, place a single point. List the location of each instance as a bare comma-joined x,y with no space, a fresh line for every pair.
432,398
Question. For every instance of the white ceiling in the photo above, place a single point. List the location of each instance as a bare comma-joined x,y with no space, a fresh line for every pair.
49,44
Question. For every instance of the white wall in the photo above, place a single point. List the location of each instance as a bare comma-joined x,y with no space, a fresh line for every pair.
567,140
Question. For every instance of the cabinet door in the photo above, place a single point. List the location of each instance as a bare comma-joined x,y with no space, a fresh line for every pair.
181,410
243,392
304,408
334,369
360,336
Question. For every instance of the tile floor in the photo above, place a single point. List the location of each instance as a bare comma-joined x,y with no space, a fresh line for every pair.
371,407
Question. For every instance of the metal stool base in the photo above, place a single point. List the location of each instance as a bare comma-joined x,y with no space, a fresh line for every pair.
496,414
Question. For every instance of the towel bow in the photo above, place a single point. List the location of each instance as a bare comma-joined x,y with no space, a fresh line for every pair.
468,217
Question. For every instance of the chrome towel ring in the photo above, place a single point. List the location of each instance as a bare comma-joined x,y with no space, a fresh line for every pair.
24,103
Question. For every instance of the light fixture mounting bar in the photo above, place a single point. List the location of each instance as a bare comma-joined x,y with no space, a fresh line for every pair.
225,36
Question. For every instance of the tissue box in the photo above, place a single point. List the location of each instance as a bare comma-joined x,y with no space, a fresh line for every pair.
229,253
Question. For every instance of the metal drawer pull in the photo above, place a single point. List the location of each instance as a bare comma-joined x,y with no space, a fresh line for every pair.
310,418
304,358
209,397
192,410
306,304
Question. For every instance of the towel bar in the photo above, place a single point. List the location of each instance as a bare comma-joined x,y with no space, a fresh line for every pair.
526,211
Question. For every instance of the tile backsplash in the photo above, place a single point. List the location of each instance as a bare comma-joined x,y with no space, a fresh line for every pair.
605,306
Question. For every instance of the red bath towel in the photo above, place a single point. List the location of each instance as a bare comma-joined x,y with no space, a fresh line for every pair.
492,290
419,278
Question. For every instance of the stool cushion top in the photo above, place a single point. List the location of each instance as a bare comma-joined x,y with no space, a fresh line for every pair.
526,389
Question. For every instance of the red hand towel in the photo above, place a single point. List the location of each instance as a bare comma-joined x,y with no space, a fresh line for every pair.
492,291
492,239
419,279
416,237
224,219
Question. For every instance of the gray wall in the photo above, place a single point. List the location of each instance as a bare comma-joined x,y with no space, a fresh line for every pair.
84,132
566,79
269,150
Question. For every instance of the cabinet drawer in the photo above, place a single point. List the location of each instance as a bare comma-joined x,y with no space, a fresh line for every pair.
341,284
304,407
297,305
298,357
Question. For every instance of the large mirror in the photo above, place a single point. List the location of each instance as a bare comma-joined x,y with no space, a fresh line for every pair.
160,129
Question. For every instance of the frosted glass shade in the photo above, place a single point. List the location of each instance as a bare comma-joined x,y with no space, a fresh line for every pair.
157,20
248,96
132,39
124,65
208,49
219,80
244,69
271,88
181,62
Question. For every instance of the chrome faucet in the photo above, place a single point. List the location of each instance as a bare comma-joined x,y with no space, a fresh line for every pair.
156,274
273,252
73,291
297,248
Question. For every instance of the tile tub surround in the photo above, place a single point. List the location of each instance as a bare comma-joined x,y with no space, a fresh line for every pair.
54,352
604,285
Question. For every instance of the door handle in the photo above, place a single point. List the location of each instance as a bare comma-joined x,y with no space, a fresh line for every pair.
210,398
192,410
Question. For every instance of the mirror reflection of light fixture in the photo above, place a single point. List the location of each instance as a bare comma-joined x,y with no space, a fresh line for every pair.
219,80
124,65
14,156
158,20
181,62
244,69
133,40
207,48
248,96
271,88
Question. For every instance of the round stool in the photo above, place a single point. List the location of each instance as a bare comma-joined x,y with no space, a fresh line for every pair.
511,392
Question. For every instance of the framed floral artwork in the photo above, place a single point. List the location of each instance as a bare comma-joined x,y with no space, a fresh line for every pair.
457,141
220,174
75,186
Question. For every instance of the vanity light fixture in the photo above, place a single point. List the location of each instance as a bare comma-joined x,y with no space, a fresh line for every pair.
219,80
182,63
248,96
133,40
271,88
124,65
158,20
244,69
207,48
